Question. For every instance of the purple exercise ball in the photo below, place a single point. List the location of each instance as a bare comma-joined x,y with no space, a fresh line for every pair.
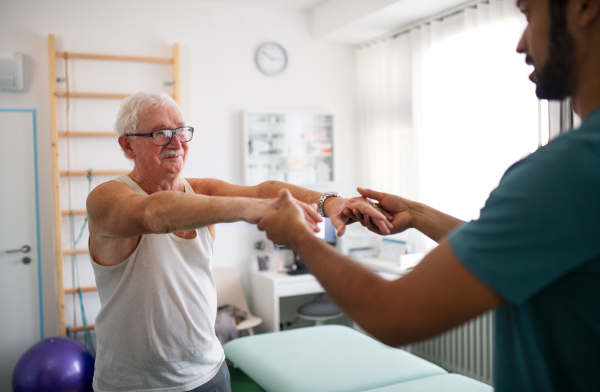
54,365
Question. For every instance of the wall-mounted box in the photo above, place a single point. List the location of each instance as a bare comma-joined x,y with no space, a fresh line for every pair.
11,71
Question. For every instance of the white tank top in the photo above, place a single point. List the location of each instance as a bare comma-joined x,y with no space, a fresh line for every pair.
156,326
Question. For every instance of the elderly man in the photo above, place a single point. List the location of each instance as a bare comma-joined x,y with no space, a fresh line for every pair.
151,243
534,253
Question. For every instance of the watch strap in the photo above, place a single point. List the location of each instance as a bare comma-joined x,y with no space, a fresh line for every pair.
322,199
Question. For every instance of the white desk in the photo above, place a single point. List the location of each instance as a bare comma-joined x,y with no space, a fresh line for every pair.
268,286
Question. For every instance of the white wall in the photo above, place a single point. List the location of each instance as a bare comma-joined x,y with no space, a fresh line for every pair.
219,80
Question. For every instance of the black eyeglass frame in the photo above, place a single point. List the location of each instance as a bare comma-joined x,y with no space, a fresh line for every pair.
173,132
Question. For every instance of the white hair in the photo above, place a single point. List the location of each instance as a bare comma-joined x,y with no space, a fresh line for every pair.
131,107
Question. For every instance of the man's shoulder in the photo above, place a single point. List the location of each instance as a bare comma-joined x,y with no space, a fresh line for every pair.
572,156
106,192
109,187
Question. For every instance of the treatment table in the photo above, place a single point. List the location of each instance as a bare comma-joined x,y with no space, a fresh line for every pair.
335,358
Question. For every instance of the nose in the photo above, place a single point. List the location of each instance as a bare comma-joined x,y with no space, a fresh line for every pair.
175,143
522,45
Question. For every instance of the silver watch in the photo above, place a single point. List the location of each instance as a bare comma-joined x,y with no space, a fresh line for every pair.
322,199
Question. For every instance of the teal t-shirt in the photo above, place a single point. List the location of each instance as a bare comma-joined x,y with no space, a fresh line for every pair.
537,244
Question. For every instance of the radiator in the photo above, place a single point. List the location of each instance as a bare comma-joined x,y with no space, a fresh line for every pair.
466,349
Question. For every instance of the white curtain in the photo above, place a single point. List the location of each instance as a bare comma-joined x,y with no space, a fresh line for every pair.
446,108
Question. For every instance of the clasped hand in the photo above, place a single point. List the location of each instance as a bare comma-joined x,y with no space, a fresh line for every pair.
291,218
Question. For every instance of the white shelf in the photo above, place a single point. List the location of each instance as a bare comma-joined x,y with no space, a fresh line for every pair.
291,147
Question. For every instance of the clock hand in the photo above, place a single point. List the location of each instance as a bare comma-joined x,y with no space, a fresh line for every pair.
265,53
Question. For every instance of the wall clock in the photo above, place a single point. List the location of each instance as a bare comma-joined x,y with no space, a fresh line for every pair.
271,58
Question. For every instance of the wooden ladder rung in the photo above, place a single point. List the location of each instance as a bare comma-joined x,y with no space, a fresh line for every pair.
73,173
78,328
87,134
89,56
84,289
75,251
64,94
75,212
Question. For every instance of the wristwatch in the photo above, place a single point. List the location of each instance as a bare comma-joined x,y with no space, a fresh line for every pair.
322,199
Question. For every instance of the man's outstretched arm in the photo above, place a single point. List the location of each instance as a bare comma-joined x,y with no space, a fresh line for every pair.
333,206
115,210
406,214
437,295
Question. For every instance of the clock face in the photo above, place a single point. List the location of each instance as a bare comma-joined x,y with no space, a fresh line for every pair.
271,58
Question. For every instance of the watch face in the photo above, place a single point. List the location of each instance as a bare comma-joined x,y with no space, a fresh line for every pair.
271,58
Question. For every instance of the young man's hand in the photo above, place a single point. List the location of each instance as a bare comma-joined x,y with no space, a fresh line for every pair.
395,208
259,208
287,224
335,206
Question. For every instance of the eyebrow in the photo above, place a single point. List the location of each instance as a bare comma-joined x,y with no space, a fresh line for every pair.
163,126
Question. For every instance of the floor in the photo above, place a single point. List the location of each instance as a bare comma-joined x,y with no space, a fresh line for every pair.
240,382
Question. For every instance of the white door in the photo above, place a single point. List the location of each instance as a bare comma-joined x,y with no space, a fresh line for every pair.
19,293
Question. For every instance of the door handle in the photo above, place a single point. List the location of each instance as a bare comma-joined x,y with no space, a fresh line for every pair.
24,249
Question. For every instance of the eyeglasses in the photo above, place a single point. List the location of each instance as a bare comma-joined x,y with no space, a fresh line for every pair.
164,136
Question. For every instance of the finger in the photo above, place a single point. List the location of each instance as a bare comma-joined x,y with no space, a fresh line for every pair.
338,224
351,217
312,224
314,227
358,216
371,194
262,224
367,209
285,195
385,213
382,224
369,225
311,210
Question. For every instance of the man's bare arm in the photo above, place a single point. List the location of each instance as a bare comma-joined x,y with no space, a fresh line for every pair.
115,210
437,295
408,214
333,206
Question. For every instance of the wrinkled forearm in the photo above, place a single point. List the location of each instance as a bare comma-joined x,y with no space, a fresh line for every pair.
270,189
166,212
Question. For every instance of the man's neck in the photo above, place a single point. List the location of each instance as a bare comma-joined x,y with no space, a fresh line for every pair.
586,96
150,184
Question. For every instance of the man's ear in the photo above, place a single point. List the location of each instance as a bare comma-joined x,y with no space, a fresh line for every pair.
125,144
588,12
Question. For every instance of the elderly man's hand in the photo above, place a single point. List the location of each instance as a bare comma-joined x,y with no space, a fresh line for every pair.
335,206
284,224
394,207
259,208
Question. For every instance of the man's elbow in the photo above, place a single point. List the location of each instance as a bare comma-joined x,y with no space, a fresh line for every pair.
154,220
390,335
267,189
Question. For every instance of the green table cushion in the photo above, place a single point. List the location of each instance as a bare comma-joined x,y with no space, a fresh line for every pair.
443,383
326,358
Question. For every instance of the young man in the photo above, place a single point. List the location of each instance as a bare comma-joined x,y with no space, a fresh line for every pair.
534,253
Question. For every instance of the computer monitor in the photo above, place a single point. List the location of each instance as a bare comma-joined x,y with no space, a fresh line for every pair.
327,232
